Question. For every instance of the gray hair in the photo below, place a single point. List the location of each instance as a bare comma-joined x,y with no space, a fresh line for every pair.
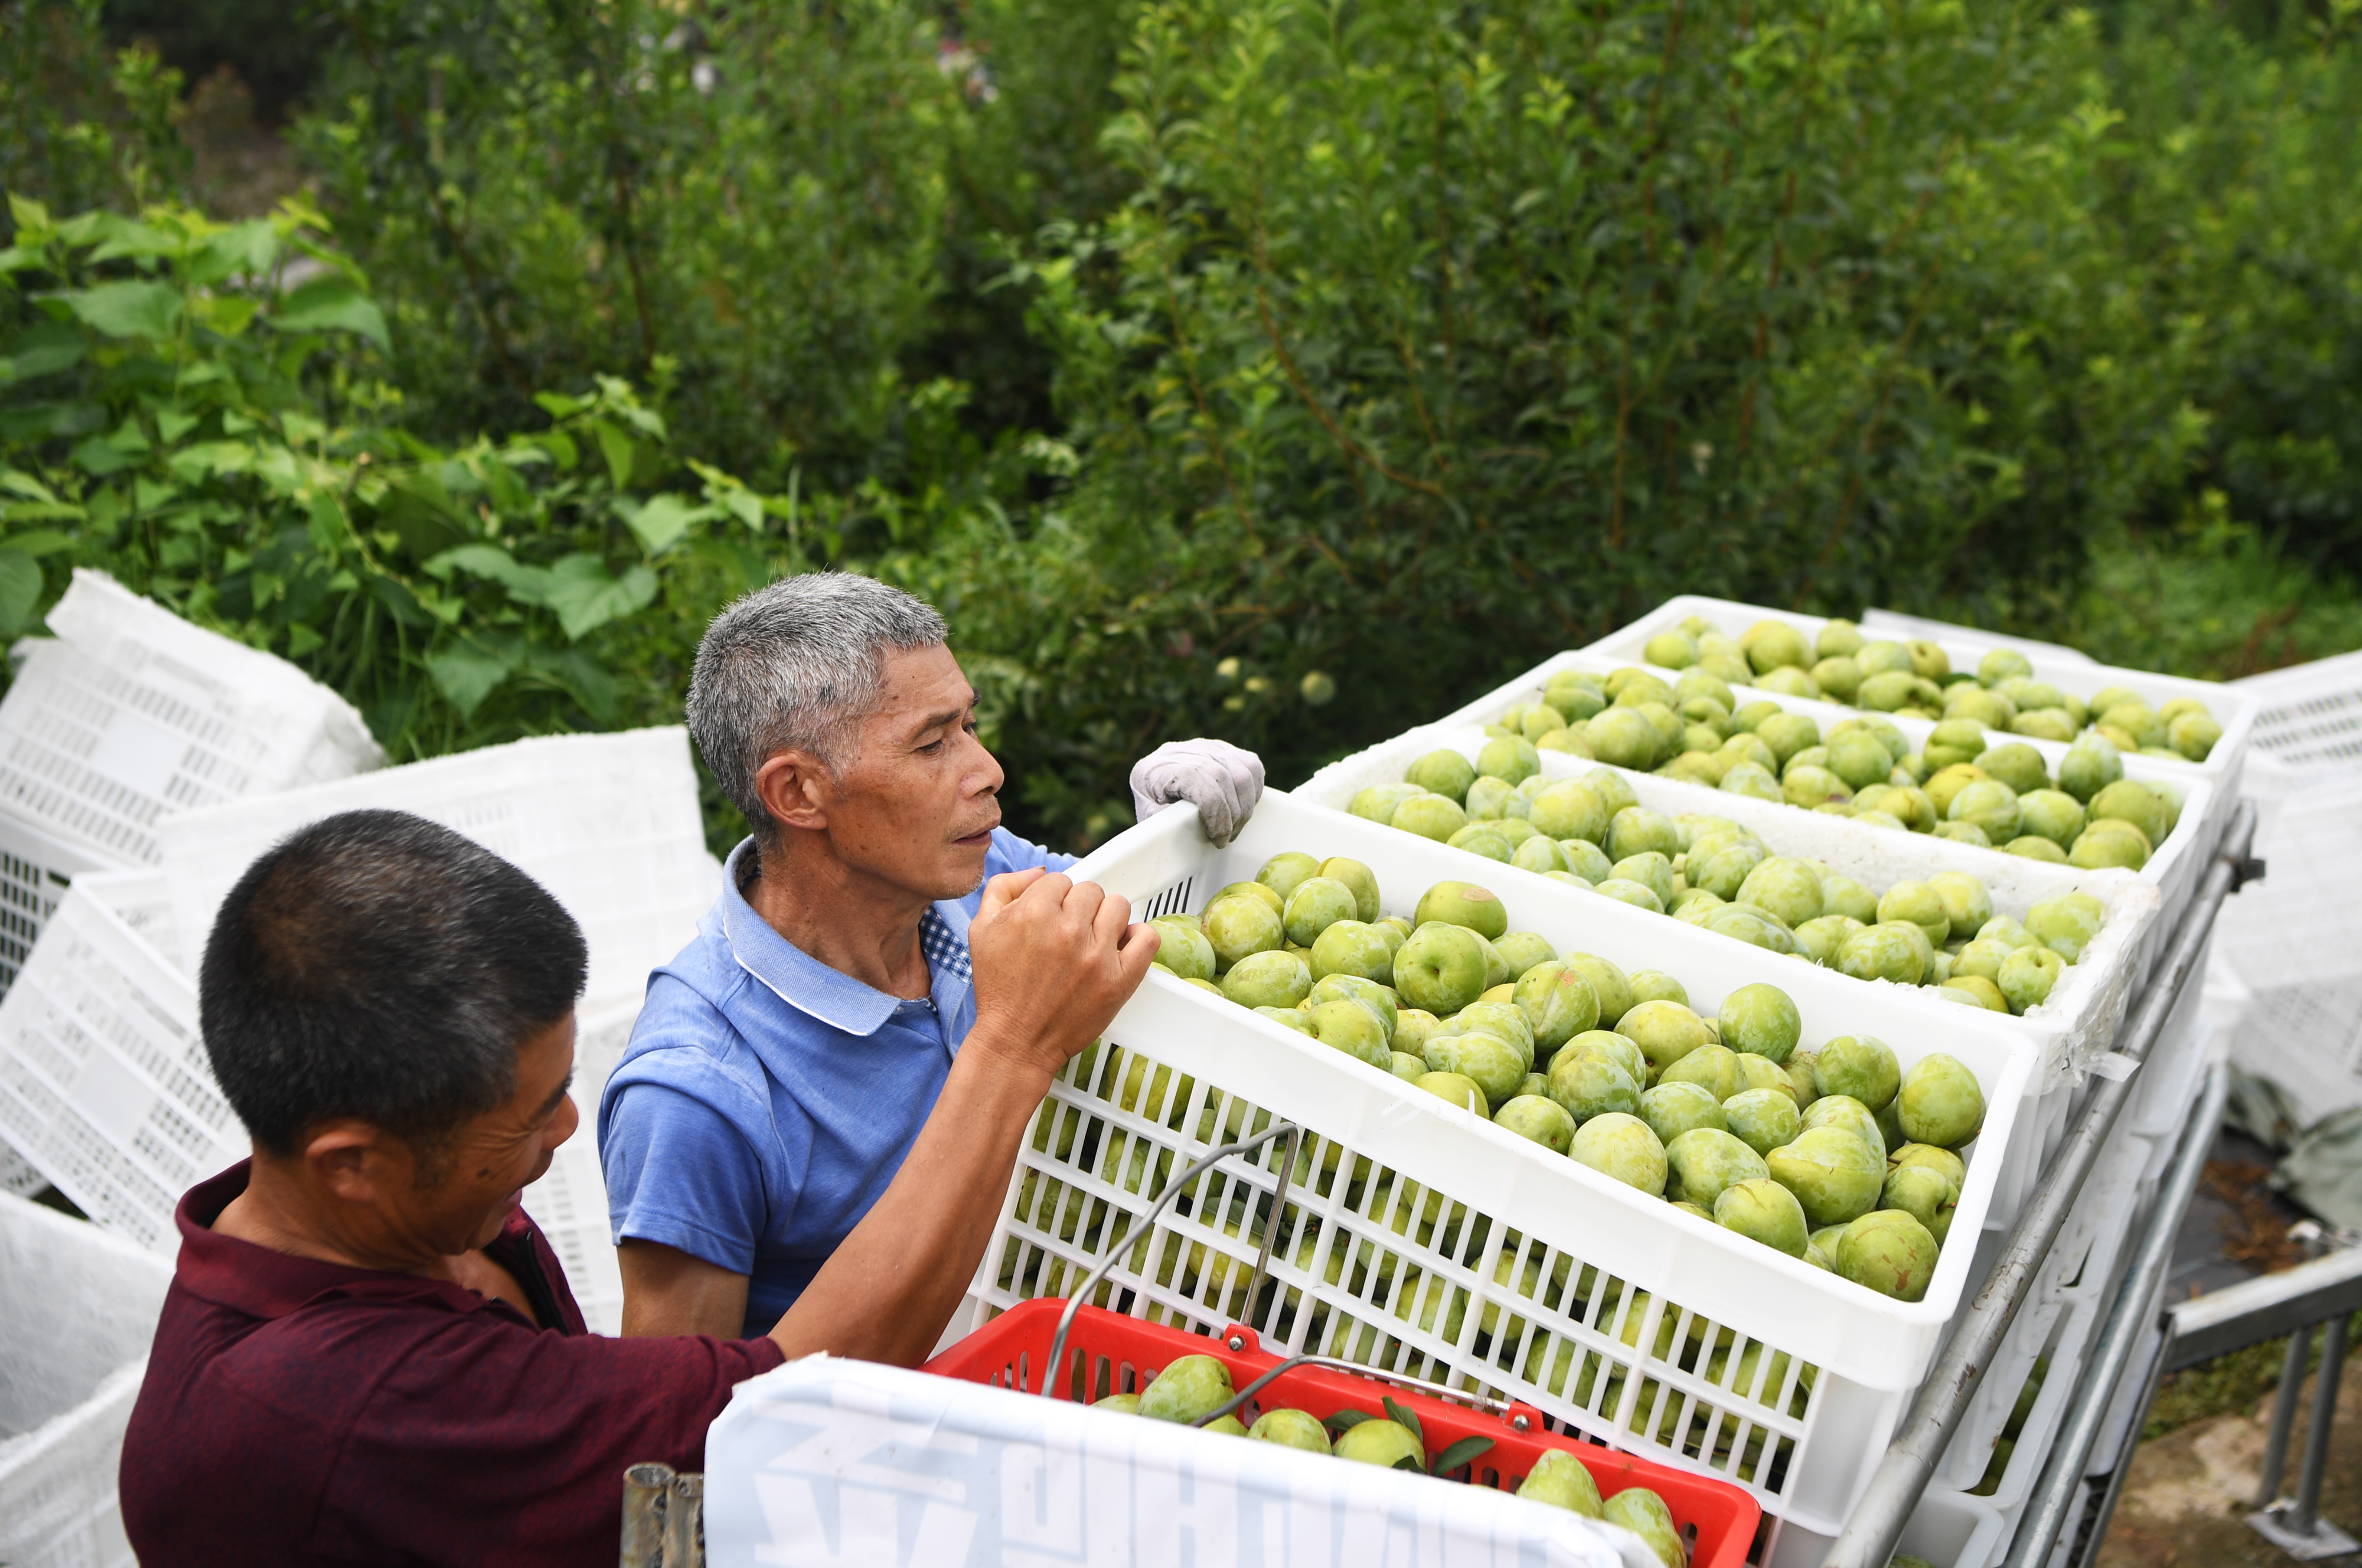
796,665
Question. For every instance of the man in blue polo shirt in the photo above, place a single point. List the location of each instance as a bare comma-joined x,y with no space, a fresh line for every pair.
786,1060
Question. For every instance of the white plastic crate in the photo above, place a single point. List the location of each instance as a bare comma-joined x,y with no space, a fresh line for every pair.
1804,1456
2309,716
19,1178
609,823
78,1310
1949,1530
569,1201
131,712
2232,707
894,1466
35,867
2078,1020
2174,868
104,1081
1894,626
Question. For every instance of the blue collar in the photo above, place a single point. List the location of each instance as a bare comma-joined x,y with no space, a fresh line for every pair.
838,999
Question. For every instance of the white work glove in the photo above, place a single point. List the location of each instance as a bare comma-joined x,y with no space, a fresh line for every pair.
1221,780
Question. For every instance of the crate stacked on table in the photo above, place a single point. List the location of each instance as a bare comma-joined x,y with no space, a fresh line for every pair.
1657,1333
1180,1071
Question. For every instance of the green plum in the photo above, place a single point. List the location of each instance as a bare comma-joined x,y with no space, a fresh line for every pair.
1378,802
1569,809
1763,1119
1713,1068
1456,1089
1616,1047
1966,903
1285,871
2090,765
1446,773
1291,1428
1834,1174
1842,1111
1316,904
1589,1084
1644,1513
1354,1028
1383,1443
1608,983
1491,1063
1183,949
1558,1002
1786,888
1860,1067
1665,1032
1884,952
1543,1122
2067,923
1844,896
1430,816
1350,947
1522,950
1560,1479
1623,1148
1188,1389
1441,968
2017,765
2027,976
1700,1163
1820,939
1268,980
1650,870
1237,927
1655,985
1890,1252
1462,904
1670,1110
1763,1210
1941,1102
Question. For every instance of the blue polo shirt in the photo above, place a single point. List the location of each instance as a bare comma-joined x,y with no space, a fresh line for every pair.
766,1100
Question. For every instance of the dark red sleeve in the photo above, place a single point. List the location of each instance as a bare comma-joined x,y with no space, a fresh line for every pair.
509,1446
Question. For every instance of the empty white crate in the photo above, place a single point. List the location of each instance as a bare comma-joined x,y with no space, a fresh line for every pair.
1376,1135
78,1310
130,713
609,823
1947,1529
104,1081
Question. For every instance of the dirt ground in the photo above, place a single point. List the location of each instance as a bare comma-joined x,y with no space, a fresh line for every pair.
2188,1493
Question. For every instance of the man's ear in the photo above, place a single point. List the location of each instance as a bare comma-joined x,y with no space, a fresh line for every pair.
795,789
353,1161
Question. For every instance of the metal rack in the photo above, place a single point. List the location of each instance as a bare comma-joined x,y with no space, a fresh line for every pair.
1902,1479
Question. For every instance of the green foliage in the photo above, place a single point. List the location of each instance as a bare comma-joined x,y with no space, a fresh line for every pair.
554,192
82,126
177,414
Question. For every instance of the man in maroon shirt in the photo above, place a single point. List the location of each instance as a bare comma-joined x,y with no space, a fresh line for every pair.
369,1353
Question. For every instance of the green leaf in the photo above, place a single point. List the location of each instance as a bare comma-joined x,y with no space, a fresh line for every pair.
44,348
660,523
172,423
202,458
586,596
126,236
26,485
558,406
99,458
27,213
1460,1454
129,309
617,448
1403,1415
250,247
1344,1421
1407,1462
588,682
466,676
41,541
332,304
526,585
20,590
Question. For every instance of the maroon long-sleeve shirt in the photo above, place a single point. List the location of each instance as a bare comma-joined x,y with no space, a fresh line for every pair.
302,1412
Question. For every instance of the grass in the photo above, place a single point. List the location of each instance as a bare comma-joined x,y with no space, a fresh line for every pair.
2239,1381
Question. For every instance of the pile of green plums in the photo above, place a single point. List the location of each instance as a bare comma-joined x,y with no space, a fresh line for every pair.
1840,665
1192,1386
1959,785
1712,872
1613,1070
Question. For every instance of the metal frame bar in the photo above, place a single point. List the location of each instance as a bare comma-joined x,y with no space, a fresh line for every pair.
2059,1493
1901,1479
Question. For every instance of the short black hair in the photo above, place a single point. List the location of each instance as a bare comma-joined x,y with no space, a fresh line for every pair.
378,965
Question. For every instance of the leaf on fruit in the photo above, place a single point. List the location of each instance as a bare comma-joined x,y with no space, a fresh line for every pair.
1406,1417
1407,1462
1460,1454
1344,1421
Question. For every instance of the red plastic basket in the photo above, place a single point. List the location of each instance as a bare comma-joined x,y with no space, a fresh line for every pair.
1108,1352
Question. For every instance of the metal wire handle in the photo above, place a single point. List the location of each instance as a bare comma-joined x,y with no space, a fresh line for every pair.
1173,1189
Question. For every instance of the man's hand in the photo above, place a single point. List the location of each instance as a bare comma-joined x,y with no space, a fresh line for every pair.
1053,960
1221,780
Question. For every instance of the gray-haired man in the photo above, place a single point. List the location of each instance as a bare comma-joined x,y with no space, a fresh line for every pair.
786,1060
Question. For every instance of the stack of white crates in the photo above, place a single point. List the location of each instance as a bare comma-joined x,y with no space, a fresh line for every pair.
2294,941
144,764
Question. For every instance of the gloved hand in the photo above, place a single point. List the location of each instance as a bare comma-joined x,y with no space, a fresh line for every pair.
1219,778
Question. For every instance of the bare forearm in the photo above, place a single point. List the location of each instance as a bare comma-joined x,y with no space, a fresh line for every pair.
886,1294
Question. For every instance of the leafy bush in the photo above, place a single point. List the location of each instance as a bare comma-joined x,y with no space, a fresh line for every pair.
175,415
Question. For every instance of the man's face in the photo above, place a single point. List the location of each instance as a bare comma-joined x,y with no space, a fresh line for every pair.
916,802
475,1179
